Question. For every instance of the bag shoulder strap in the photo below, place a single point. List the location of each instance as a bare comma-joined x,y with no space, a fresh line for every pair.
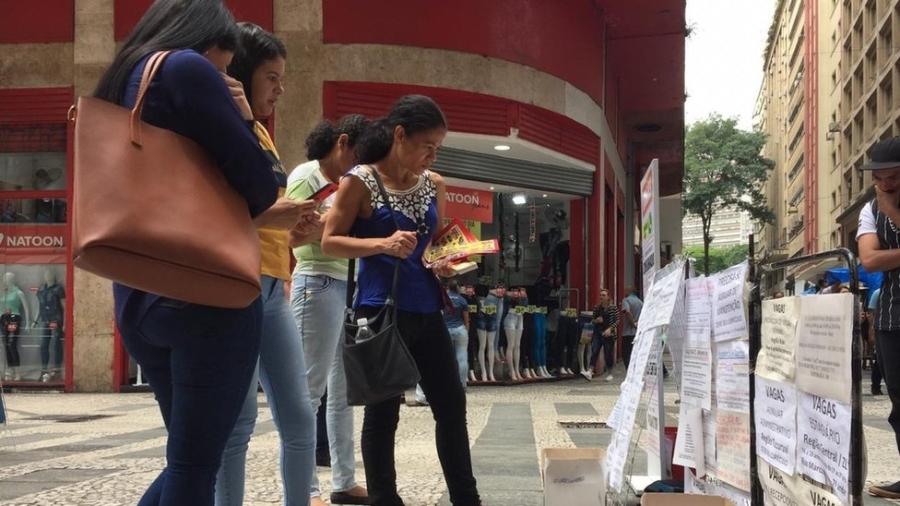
154,63
351,265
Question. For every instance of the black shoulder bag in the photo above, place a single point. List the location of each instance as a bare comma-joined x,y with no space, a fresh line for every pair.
380,367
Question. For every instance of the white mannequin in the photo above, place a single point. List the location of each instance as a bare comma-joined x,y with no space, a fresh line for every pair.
9,287
486,350
513,327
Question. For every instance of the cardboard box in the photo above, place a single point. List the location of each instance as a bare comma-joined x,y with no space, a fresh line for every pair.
573,476
683,500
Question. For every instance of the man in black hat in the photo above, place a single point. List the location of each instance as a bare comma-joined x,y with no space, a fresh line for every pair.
878,238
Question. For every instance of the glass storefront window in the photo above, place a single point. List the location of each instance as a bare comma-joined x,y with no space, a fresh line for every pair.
32,171
36,210
32,322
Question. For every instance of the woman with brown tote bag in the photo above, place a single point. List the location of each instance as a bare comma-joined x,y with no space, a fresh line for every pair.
198,359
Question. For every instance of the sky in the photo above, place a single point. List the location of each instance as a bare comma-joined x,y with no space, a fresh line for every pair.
723,68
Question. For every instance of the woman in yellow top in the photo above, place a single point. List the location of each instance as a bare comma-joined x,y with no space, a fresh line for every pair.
258,66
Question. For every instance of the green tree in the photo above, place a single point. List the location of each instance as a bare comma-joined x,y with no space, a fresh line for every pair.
720,258
723,169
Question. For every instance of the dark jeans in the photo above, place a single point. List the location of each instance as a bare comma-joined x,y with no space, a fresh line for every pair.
526,346
876,372
56,337
626,350
887,346
198,361
609,352
429,342
11,337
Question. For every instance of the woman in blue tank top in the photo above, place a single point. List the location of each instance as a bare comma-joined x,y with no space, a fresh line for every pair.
401,148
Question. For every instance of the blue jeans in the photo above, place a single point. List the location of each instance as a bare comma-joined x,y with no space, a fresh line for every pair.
198,361
318,304
283,375
459,335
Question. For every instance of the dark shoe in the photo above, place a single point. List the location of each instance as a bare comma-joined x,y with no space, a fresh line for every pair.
887,491
877,391
345,498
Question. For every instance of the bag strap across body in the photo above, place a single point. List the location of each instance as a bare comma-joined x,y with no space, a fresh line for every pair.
351,265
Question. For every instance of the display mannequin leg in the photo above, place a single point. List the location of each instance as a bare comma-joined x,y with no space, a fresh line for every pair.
491,354
514,337
482,348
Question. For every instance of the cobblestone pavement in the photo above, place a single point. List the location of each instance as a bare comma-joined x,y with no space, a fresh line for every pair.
94,449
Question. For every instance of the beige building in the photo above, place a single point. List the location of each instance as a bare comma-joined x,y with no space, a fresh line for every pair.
729,227
811,106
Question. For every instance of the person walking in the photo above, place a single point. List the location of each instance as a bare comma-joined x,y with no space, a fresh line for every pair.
398,151
317,299
878,239
259,66
456,317
631,313
605,321
199,360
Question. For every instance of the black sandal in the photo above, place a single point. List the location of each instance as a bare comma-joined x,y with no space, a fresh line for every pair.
345,498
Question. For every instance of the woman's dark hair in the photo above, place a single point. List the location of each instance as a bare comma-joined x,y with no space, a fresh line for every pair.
321,140
169,24
415,113
255,47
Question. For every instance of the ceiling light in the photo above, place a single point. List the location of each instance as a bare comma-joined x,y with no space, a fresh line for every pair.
502,147
544,195
519,199
491,188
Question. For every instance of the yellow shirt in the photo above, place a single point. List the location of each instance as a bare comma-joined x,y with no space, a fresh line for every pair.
274,244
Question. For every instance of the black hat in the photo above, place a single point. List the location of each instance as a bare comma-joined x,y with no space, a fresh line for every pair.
884,155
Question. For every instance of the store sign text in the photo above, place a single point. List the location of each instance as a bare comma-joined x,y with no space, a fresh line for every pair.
27,240
468,204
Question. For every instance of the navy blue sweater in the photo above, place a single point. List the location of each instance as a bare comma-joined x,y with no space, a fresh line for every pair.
189,97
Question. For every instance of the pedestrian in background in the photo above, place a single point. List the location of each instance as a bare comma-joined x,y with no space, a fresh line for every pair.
606,318
631,313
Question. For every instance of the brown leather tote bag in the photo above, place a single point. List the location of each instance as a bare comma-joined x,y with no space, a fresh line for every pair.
152,211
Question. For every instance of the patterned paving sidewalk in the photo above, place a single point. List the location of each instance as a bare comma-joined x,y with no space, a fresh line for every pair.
73,449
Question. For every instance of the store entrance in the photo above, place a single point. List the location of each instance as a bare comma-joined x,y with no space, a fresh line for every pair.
524,323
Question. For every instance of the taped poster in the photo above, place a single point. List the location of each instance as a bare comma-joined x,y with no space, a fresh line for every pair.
777,355
779,489
696,376
733,376
823,430
729,315
823,345
733,448
689,442
775,410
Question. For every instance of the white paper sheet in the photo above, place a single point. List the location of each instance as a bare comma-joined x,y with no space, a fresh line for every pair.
660,302
777,356
729,316
824,343
733,375
617,452
696,377
779,489
733,448
823,432
775,410
689,443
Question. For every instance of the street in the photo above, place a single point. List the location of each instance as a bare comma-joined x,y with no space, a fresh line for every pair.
105,449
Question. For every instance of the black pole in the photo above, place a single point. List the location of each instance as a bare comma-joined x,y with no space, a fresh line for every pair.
755,316
856,431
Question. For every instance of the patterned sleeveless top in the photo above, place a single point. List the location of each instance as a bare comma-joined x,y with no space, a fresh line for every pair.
416,211
887,312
